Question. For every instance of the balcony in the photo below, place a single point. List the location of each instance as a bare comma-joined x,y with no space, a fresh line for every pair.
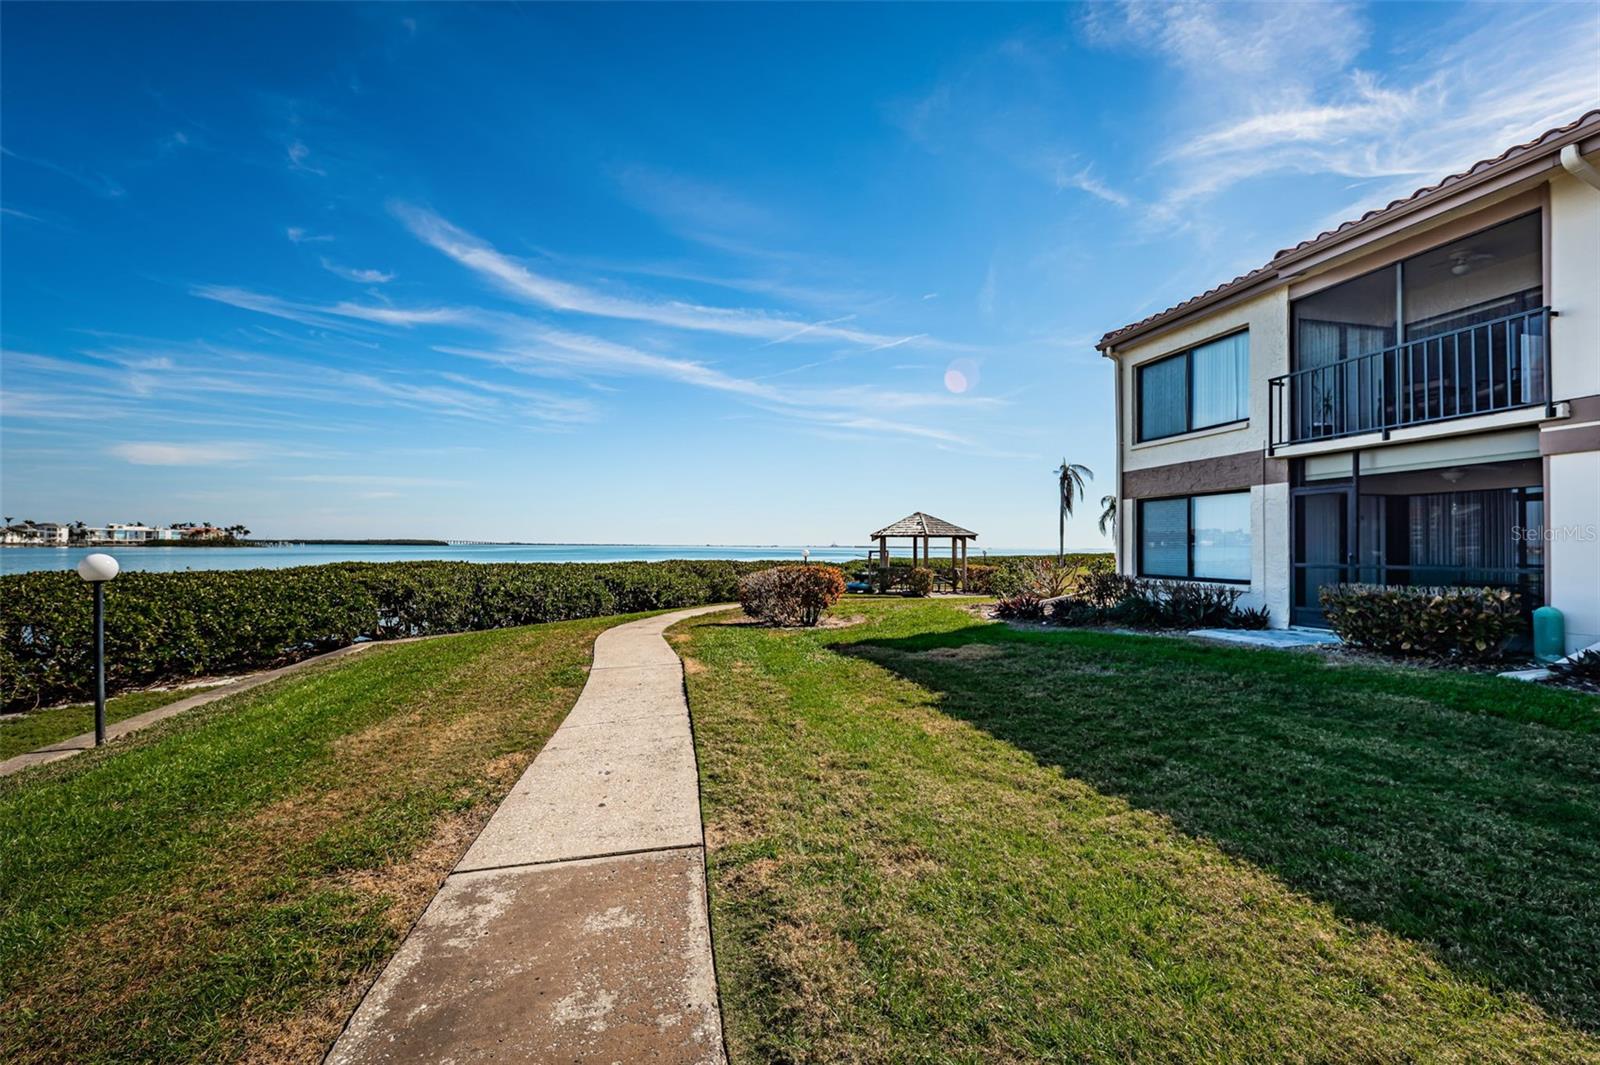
1484,368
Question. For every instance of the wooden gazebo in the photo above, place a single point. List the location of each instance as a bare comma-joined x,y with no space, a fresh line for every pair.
923,528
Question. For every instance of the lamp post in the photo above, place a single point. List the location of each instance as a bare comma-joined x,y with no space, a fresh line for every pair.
97,569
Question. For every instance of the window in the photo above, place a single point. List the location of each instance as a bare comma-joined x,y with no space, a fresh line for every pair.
1196,537
1206,386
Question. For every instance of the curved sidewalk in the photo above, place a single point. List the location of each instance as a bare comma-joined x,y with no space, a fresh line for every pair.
575,928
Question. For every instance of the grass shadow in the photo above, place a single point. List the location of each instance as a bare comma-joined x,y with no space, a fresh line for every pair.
1433,805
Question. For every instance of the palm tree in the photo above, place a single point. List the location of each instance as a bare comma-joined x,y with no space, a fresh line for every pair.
1069,478
1108,515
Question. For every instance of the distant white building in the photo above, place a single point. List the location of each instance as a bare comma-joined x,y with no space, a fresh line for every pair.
36,533
117,533
60,534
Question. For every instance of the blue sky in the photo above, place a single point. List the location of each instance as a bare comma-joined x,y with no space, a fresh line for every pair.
731,274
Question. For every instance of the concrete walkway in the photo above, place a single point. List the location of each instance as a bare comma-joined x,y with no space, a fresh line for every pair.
575,928
1284,639
84,741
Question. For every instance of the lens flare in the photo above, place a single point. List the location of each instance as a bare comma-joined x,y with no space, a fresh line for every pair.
961,376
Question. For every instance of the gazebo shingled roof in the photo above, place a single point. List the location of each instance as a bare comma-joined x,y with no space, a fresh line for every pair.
920,524
924,527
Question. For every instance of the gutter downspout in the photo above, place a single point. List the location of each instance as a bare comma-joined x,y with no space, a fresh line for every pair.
1119,527
1579,167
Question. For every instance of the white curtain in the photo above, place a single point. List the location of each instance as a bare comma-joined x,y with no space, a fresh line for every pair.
1221,381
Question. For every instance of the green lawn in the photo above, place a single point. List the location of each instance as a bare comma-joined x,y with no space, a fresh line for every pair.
937,839
222,886
43,727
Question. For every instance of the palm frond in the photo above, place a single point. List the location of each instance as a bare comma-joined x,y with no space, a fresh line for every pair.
1108,514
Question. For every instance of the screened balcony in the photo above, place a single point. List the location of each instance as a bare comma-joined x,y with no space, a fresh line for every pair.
1455,332
1478,526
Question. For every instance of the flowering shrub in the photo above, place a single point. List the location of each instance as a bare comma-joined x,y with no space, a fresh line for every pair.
1473,623
920,581
791,595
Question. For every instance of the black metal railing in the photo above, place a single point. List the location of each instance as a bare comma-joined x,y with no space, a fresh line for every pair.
1492,366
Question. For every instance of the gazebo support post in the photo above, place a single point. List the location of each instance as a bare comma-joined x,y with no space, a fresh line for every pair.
955,575
963,563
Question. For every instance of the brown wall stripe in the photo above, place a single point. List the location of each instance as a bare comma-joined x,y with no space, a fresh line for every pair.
1242,470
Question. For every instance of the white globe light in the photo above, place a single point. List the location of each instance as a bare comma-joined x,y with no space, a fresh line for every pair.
98,567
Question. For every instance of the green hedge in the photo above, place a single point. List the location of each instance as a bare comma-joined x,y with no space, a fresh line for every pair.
173,626
1468,623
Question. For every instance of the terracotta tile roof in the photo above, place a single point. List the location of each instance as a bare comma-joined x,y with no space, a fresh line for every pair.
1546,141
920,524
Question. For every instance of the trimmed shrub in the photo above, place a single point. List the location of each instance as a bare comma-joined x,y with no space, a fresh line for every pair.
173,626
980,580
791,595
920,582
1469,623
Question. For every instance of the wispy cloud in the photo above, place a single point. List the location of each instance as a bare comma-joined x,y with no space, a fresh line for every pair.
151,453
298,154
861,408
518,279
300,235
1084,180
332,315
699,210
378,480
1284,93
96,183
360,276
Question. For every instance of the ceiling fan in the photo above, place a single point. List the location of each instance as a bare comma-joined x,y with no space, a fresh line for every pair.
1461,262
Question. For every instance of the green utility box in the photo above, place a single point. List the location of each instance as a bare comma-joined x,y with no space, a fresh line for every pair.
1549,634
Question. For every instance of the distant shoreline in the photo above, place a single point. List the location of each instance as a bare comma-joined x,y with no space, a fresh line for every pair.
356,543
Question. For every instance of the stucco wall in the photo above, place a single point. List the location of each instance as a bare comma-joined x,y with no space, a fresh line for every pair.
1572,517
1267,318
1575,286
1572,550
